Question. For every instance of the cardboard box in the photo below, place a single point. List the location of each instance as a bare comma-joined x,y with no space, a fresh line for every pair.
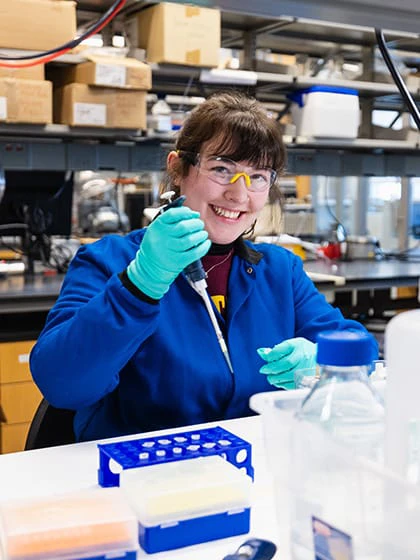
106,71
126,73
25,101
13,437
83,105
31,73
36,24
18,402
178,34
14,361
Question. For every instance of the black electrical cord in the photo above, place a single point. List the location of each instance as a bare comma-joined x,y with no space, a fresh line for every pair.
406,95
113,10
408,255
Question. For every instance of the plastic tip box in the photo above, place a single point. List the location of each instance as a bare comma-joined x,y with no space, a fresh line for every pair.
172,447
187,502
93,524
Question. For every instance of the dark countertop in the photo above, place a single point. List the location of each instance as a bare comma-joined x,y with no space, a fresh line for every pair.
368,274
35,293
38,293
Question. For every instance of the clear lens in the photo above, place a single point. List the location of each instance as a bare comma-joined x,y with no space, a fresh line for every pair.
222,171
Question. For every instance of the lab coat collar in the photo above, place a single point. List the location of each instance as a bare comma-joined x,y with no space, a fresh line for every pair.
246,252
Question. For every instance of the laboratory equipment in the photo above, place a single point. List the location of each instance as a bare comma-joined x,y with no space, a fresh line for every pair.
171,447
98,208
196,276
160,119
36,205
254,549
188,502
90,524
345,408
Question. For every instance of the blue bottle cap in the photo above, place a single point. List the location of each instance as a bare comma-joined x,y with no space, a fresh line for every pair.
346,348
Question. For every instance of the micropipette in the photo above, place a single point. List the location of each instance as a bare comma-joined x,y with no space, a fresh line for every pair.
196,276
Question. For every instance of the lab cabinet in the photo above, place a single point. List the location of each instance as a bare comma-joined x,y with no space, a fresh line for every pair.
19,396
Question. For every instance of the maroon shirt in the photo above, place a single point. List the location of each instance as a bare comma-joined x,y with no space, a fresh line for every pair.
217,267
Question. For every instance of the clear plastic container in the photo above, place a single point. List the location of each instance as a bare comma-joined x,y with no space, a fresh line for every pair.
186,502
344,405
388,506
88,524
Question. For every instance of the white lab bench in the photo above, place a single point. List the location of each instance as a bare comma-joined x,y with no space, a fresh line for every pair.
68,468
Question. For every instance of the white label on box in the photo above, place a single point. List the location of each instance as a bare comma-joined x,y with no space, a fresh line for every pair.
89,114
23,358
111,75
3,108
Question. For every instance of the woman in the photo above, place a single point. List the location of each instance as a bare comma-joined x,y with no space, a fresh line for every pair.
129,344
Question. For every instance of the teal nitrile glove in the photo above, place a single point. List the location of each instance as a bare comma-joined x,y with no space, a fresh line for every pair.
284,359
173,240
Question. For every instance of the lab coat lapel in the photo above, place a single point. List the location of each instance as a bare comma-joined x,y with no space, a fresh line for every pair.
242,282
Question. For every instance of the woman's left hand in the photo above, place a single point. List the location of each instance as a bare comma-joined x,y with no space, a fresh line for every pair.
284,359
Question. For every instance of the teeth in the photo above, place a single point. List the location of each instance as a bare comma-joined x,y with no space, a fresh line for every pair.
234,215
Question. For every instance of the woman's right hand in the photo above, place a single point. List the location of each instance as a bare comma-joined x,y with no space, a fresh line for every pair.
172,241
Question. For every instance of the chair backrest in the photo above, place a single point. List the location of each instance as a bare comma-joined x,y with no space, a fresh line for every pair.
50,426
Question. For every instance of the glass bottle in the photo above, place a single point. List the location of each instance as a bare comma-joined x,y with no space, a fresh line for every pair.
340,419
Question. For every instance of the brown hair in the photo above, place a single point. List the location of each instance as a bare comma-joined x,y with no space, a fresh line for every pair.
241,129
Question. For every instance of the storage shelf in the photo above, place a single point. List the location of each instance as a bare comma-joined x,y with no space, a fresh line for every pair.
174,79
62,147
385,14
58,147
356,144
363,87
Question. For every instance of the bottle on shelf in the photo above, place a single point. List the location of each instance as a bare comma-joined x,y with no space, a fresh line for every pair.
161,119
341,418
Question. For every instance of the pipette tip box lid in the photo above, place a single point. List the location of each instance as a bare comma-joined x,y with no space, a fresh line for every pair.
188,502
135,453
92,524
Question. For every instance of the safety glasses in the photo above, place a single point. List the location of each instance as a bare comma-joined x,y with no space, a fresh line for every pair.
224,171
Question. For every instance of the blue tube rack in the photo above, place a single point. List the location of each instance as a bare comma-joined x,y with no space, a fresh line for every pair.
178,446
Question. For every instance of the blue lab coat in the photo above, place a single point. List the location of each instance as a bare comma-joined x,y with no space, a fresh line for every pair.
129,365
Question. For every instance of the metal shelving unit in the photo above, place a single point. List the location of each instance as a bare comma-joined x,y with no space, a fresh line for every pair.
292,30
386,14
59,147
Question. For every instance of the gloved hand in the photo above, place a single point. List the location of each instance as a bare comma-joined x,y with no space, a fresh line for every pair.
173,240
284,359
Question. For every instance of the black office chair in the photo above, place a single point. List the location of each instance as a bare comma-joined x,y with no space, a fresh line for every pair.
50,427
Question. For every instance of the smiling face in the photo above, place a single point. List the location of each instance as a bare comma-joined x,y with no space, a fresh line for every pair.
227,210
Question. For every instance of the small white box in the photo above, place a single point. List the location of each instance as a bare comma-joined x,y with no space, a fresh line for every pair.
326,112
187,502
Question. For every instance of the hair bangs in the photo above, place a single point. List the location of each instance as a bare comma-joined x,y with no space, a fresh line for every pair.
249,141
